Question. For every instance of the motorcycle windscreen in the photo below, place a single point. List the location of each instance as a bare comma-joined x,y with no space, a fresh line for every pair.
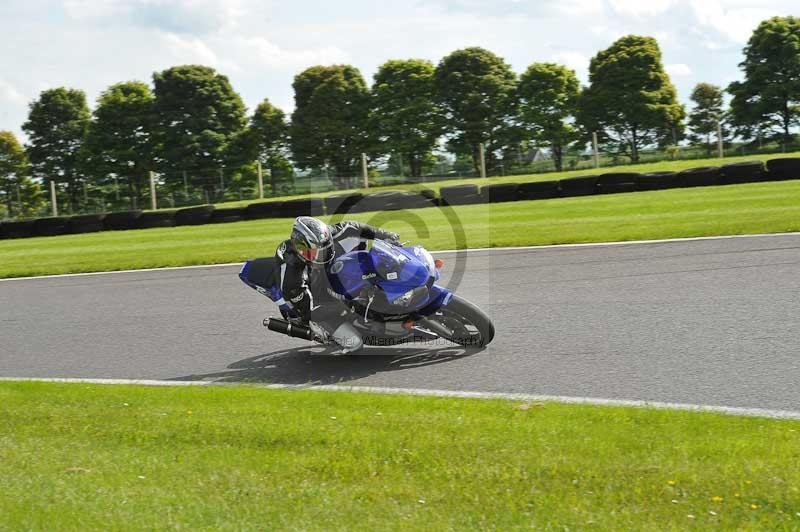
398,268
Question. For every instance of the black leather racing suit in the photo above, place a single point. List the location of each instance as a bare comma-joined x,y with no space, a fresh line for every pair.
307,290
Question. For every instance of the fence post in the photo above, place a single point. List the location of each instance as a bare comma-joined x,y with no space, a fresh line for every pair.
185,185
153,202
595,150
364,170
53,201
260,180
482,155
720,147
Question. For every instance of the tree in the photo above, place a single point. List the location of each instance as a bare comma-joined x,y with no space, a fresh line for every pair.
199,117
707,113
476,91
630,100
330,118
405,119
56,129
20,195
266,139
769,96
548,97
120,139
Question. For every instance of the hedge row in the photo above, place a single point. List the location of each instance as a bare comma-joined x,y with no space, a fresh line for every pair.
748,172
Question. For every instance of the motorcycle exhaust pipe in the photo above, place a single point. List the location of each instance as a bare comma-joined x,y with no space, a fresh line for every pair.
295,330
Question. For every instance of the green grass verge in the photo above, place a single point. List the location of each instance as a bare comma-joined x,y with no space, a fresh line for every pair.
708,211
90,457
662,166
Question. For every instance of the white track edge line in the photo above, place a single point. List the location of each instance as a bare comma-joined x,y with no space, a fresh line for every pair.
459,394
435,252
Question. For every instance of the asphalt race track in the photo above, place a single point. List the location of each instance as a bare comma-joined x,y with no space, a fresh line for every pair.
711,322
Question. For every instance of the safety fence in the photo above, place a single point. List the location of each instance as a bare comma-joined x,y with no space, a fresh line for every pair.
466,194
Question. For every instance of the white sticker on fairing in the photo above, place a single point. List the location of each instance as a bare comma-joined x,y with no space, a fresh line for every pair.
391,276
337,267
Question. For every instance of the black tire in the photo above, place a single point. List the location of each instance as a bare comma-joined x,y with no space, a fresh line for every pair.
391,200
613,183
122,220
151,220
53,226
461,311
658,180
746,172
342,203
539,190
85,223
460,195
18,229
227,215
699,177
302,207
427,193
500,193
263,209
578,186
784,169
413,200
199,215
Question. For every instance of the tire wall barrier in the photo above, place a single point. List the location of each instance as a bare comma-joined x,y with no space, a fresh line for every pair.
121,220
618,182
20,229
199,215
539,190
460,195
468,194
782,169
301,207
658,180
86,223
500,193
699,177
227,215
578,186
51,226
153,219
262,209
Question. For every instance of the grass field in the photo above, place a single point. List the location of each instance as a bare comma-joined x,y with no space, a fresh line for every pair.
726,210
662,166
93,457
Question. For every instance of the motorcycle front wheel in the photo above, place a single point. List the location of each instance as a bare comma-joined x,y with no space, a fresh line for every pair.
462,323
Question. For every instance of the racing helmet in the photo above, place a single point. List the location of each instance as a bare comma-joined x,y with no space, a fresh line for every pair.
312,241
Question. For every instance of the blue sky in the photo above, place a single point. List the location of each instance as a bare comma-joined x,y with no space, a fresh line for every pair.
261,45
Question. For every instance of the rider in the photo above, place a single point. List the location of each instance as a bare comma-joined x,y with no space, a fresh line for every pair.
302,261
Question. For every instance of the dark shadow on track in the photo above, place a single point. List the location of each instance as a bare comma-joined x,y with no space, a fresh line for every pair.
314,365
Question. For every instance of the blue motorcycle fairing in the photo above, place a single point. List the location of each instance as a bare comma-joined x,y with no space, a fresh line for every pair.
395,270
259,274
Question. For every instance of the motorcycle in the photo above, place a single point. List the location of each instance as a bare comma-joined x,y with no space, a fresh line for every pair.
392,294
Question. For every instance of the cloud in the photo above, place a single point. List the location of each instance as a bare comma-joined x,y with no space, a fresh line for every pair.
641,8
174,16
258,51
678,70
736,19
574,60
9,93
189,50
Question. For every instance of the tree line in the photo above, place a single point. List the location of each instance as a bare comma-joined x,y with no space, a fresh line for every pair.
191,120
